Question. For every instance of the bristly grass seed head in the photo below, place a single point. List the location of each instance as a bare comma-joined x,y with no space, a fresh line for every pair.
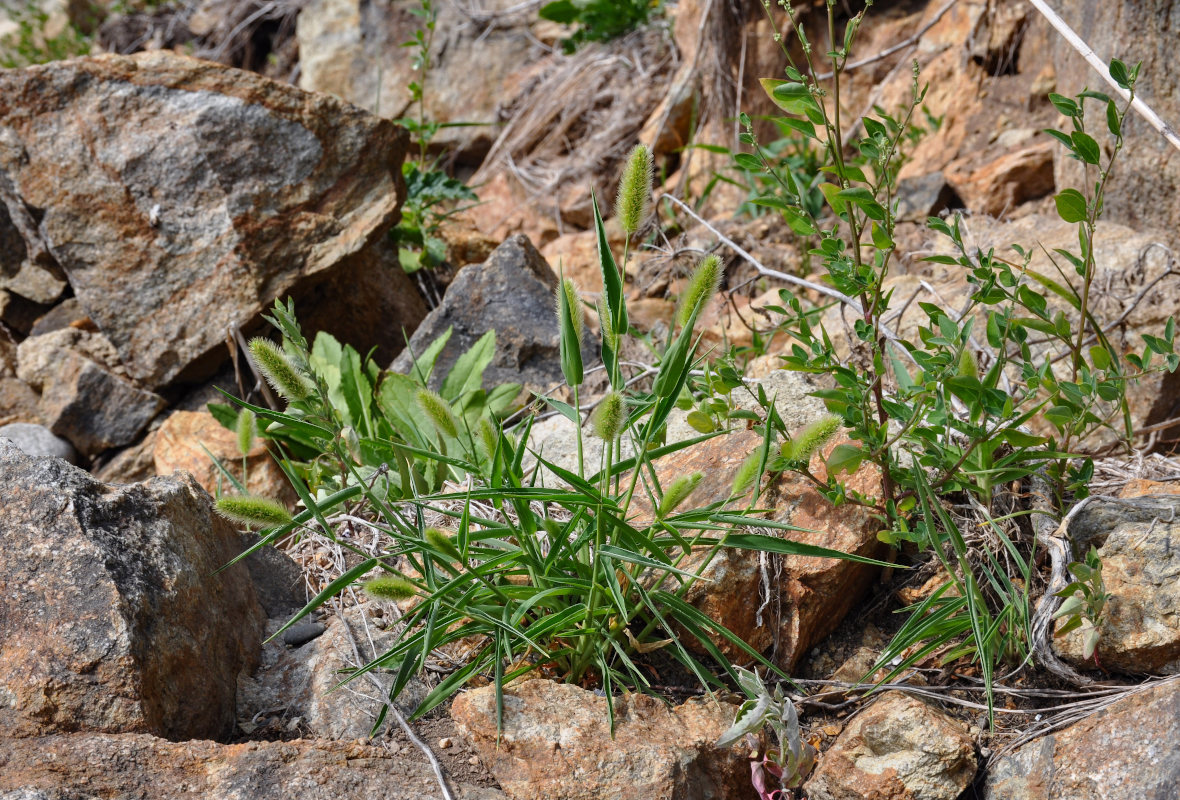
279,371
608,419
746,474
439,412
677,492
634,198
701,288
253,510
441,541
390,587
810,439
610,337
247,430
488,437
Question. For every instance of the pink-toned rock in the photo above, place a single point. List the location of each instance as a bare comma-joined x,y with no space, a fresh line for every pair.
900,748
556,744
804,598
142,766
1002,184
190,440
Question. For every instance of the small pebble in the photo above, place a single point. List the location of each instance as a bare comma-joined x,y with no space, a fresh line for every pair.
473,761
445,742
301,634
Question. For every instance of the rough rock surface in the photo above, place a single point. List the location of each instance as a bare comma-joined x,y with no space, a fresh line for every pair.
1141,570
300,673
93,408
187,439
37,440
182,197
555,744
113,619
998,186
1147,179
352,49
1128,751
779,605
71,767
512,294
900,748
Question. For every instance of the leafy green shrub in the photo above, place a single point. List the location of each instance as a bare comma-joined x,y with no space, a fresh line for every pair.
947,412
432,197
598,20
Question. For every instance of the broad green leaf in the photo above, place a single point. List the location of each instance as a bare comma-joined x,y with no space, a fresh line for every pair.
1118,71
1086,148
1071,205
425,361
467,374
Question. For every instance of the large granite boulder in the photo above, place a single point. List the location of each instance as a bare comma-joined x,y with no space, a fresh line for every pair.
180,198
113,619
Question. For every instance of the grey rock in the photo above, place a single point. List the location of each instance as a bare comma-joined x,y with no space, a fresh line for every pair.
114,619
93,408
39,358
1127,751
302,679
37,440
278,580
58,317
182,197
925,196
303,633
1138,541
512,294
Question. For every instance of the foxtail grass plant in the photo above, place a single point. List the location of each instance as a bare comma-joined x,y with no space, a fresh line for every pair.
582,582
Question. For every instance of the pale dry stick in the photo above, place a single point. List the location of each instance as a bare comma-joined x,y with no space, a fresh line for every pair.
1076,712
782,276
401,720
888,51
1085,51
